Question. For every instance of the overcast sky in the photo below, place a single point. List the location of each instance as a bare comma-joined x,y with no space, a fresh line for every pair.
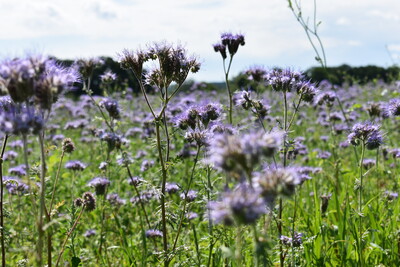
356,32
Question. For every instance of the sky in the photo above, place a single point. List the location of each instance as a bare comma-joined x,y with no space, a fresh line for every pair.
354,32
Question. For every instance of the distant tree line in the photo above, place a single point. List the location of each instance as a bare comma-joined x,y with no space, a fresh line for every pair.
354,75
336,75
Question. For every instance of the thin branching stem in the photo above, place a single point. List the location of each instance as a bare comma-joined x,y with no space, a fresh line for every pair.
3,248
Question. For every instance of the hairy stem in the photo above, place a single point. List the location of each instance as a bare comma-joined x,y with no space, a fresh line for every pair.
3,248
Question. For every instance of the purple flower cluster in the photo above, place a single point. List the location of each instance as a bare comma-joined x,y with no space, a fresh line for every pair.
75,165
241,153
367,133
230,41
100,184
243,205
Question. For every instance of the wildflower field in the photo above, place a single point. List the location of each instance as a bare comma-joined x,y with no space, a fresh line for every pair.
281,172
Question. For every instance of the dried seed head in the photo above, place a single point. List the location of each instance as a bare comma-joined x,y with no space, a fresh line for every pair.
89,201
67,145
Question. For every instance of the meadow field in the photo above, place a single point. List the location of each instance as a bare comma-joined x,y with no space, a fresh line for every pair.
281,172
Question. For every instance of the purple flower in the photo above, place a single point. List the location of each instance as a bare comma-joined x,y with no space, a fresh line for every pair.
100,184
296,241
75,165
234,153
243,205
135,181
89,233
171,188
19,170
115,200
367,133
112,107
153,233
190,196
146,164
108,76
393,107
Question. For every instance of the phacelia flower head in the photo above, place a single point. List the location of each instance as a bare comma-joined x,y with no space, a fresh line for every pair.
112,107
393,107
75,165
243,205
89,201
153,233
234,153
67,145
284,80
274,182
366,133
232,41
100,184
108,76
296,241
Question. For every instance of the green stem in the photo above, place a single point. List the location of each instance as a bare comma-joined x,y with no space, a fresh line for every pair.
55,182
185,201
68,235
164,180
3,248
226,71
360,204
39,258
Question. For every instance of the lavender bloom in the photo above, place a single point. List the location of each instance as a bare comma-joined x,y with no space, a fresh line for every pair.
327,98
135,181
393,107
114,141
90,233
144,197
171,188
243,205
146,164
75,165
275,182
283,80
190,196
191,215
100,184
232,41
10,155
367,133
108,76
19,170
256,73
125,159
86,66
296,241
220,48
115,200
200,137
112,107
395,153
153,233
15,185
242,153
368,163
20,120
391,195
36,76
324,155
